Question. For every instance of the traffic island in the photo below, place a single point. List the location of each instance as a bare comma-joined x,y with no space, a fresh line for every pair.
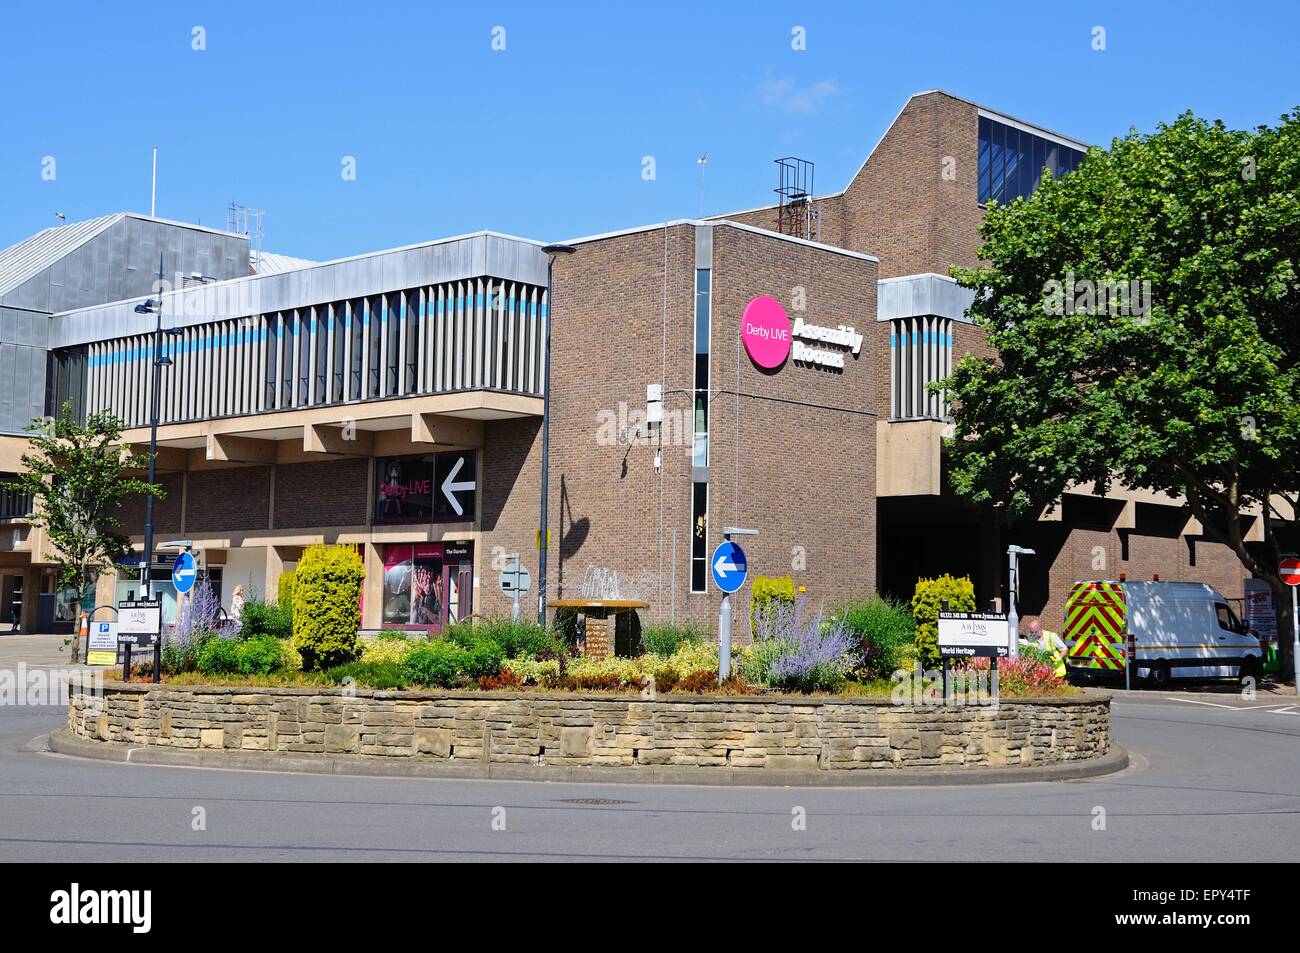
763,739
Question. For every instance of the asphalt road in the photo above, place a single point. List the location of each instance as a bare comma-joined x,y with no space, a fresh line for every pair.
1214,778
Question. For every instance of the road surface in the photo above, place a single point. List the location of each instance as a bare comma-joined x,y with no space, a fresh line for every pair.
1214,778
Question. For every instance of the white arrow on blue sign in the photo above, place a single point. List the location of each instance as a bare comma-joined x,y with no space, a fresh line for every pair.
729,567
184,572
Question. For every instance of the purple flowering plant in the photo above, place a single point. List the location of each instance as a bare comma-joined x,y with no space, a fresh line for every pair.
798,650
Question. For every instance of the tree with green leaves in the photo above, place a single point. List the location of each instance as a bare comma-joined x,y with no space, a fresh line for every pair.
1145,311
78,475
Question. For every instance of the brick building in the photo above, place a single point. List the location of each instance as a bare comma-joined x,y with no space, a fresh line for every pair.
393,402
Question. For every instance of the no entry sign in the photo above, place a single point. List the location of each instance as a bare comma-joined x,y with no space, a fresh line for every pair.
1289,569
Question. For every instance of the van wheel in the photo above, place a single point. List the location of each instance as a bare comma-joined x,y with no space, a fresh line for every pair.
1250,668
1158,677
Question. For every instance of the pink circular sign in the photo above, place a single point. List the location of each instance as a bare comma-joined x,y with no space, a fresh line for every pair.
765,331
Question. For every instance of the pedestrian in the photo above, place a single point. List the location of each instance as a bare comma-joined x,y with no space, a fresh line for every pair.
1049,642
237,603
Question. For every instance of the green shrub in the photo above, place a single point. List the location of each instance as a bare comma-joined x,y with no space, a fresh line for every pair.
392,635
369,674
767,595
284,591
266,618
437,664
926,603
882,631
665,638
387,650
326,603
219,657
514,638
260,655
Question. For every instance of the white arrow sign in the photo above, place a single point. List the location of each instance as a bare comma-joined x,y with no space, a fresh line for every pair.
725,565
450,487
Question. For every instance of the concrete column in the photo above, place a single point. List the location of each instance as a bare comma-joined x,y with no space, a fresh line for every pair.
31,588
373,588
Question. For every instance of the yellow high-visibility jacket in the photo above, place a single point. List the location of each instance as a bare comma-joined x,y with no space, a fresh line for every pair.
1052,643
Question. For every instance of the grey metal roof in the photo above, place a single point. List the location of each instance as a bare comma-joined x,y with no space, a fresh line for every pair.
269,263
479,254
911,296
31,256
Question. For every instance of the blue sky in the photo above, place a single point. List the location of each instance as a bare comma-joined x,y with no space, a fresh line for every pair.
546,138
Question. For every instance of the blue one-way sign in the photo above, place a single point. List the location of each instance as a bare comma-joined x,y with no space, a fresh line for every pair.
729,567
184,572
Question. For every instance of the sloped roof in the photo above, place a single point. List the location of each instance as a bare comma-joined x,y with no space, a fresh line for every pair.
31,256
268,263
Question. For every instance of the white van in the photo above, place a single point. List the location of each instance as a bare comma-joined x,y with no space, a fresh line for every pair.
1180,630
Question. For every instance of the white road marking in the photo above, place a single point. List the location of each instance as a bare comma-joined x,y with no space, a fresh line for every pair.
1197,701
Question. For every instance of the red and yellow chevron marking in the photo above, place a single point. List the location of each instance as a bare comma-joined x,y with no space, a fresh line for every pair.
1096,616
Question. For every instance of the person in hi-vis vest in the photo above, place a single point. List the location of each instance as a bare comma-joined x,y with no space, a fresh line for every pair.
1049,642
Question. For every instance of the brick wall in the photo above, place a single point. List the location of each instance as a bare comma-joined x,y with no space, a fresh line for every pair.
328,493
1068,554
238,498
509,503
806,437
902,208
624,311
166,511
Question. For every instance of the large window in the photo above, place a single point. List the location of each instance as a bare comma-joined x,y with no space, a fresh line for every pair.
700,446
1011,161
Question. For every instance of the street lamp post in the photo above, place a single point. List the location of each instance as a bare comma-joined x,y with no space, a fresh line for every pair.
160,360
1013,597
543,542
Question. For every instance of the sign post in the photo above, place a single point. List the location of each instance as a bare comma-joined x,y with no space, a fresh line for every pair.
101,647
515,581
1289,570
974,635
729,568
139,622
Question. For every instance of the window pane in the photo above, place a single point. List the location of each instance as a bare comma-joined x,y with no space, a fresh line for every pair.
997,139
985,160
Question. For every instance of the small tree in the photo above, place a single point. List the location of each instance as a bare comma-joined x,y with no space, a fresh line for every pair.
77,477
327,606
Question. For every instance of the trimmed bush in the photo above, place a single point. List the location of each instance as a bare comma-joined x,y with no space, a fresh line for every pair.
769,594
926,603
436,665
882,630
327,606
284,591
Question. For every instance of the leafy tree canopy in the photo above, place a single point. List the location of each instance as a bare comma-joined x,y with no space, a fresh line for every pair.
1145,311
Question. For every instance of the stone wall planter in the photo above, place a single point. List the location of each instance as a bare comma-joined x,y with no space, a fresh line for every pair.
612,730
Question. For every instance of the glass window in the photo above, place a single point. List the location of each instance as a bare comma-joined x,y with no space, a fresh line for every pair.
986,159
374,315
1011,161
699,537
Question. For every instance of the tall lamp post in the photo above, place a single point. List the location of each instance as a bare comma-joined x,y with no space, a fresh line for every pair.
160,360
543,540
